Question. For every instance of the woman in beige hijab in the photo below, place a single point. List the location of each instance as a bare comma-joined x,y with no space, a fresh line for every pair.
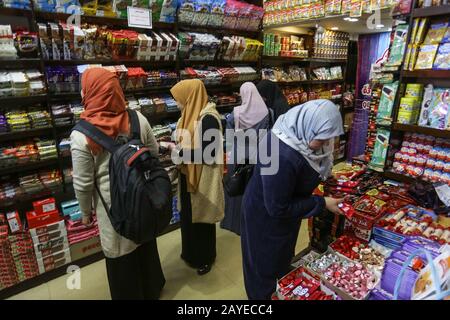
200,190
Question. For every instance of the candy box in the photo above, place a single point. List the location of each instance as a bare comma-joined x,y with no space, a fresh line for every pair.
14,221
44,238
44,206
53,261
36,221
298,284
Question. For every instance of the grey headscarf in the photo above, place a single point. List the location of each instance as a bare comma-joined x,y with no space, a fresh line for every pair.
316,119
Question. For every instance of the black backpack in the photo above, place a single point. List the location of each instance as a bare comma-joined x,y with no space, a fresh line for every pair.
141,191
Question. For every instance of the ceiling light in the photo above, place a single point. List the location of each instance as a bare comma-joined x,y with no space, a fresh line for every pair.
347,18
335,28
353,19
379,26
390,29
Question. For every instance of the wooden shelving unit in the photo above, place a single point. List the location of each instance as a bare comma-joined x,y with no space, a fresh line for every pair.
431,11
435,77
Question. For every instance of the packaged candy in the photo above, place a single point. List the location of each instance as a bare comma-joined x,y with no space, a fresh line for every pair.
435,33
420,35
217,12
168,11
426,57
414,90
202,11
186,11
413,58
414,30
398,45
384,115
442,61
439,109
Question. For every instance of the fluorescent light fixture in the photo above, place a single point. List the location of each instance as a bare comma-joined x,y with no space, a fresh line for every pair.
390,29
379,26
347,18
334,28
353,19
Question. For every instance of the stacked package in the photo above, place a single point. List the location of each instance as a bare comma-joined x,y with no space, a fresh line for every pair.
49,235
17,4
237,48
63,79
68,175
18,120
76,231
198,46
18,83
64,147
7,49
8,276
156,78
23,255
40,119
157,46
47,149
51,179
62,115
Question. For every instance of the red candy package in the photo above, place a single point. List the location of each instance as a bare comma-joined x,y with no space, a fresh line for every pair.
347,209
370,205
378,194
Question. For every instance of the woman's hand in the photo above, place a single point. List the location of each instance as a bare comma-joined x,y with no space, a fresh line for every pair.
86,220
332,204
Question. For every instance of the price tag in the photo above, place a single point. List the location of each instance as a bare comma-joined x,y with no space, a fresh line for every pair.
139,17
100,13
443,192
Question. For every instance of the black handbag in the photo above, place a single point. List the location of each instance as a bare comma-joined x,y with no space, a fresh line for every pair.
235,184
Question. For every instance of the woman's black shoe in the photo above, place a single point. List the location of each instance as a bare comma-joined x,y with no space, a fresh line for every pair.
204,270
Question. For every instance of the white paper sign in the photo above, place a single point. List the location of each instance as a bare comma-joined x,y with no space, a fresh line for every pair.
139,17
443,191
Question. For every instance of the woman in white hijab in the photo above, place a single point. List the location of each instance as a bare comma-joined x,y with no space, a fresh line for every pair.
274,205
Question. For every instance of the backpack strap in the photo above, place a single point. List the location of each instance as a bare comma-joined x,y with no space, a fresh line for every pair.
135,125
97,135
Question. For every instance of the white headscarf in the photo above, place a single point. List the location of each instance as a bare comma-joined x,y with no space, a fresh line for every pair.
316,119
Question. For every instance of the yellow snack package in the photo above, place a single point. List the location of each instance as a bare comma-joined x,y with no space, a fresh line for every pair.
426,57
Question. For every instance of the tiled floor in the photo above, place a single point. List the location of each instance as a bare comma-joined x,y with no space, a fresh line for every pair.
225,281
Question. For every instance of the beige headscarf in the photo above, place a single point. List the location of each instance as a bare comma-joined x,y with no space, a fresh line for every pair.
193,98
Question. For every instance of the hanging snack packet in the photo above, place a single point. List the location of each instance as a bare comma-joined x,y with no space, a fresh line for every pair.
186,11
426,57
436,33
384,115
415,28
217,11
398,45
439,110
426,104
168,11
420,35
442,61
201,12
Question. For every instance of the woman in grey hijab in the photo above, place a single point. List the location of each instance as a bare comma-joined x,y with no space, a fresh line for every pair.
274,205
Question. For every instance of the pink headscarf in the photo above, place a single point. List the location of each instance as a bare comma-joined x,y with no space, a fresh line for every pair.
252,110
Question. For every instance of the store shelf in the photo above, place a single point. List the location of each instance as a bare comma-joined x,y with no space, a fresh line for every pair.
293,83
428,74
48,276
15,12
20,63
217,63
109,21
19,101
139,91
399,177
28,167
29,198
294,59
17,135
129,63
422,130
219,30
65,96
431,11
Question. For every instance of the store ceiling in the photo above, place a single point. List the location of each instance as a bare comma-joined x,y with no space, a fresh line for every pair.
365,24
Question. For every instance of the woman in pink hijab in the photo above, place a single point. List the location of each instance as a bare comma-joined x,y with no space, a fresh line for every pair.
249,118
